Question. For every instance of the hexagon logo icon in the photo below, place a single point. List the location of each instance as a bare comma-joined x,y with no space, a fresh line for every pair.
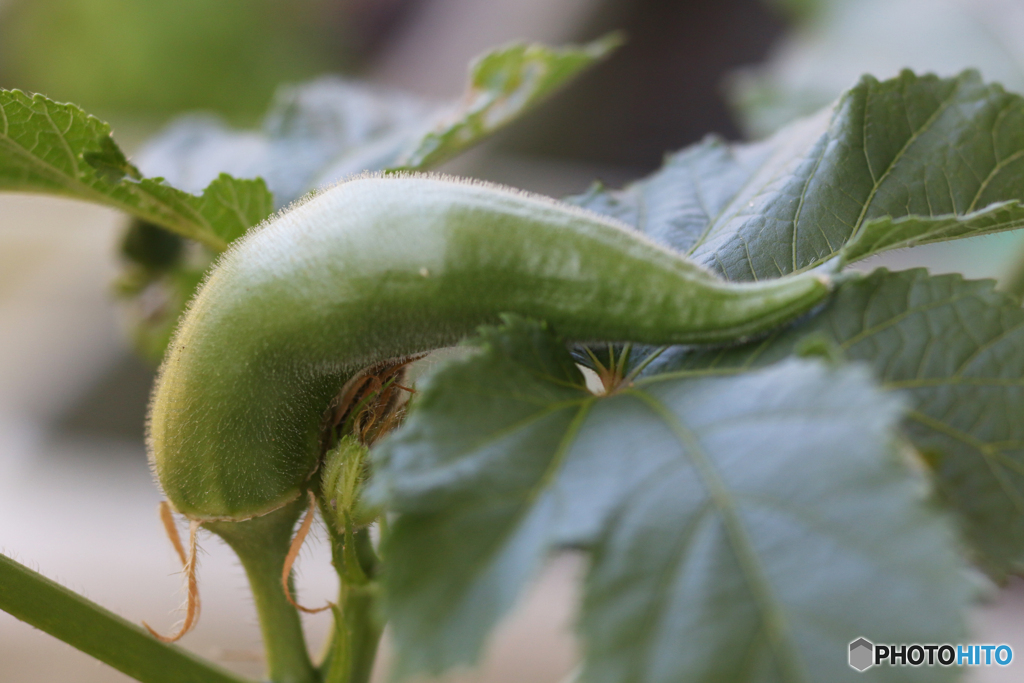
862,654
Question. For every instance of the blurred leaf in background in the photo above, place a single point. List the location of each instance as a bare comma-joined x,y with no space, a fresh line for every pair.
316,134
320,132
310,128
837,41
148,59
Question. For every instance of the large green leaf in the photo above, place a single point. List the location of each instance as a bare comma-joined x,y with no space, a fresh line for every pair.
59,149
838,40
911,160
744,528
321,132
956,349
471,473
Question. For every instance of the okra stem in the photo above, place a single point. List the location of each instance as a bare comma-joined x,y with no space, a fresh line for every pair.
261,544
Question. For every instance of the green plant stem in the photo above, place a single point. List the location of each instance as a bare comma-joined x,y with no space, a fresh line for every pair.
262,545
357,628
69,617
356,636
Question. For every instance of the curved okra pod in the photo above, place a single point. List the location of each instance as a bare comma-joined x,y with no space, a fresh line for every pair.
379,268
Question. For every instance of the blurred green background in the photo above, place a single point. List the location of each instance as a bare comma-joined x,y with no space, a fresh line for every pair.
136,63
151,58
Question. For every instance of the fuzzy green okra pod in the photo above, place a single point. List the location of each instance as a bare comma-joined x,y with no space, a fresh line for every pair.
380,268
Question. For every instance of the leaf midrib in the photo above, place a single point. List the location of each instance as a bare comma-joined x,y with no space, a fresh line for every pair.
731,209
988,454
772,615
914,137
73,186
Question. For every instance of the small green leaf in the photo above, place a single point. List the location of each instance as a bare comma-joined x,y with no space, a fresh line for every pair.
882,234
955,348
503,84
59,149
230,206
906,161
744,528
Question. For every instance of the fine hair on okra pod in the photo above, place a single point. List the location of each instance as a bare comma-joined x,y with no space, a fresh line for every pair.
380,268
